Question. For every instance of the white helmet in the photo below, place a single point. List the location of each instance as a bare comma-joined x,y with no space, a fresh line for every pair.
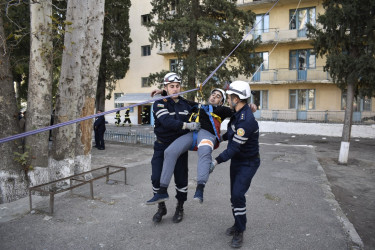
171,77
222,93
240,88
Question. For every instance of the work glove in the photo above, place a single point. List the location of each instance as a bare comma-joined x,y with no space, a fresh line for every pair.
192,126
212,166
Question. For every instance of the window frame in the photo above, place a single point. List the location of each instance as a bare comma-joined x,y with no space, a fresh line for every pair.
144,82
117,105
262,93
309,53
145,19
146,50
295,104
359,104
296,21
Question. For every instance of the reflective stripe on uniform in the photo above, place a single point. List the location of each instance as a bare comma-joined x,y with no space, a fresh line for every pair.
182,190
240,139
239,211
155,190
161,113
206,142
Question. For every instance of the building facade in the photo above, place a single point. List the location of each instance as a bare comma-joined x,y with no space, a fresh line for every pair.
290,84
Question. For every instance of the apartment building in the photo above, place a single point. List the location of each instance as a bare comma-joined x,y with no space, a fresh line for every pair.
290,84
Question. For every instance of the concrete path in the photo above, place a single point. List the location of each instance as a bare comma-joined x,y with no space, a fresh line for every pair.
289,206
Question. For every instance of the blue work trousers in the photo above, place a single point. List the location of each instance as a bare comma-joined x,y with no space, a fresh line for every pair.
180,172
241,174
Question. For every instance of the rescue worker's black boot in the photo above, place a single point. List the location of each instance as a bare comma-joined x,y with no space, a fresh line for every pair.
162,210
230,231
237,239
179,214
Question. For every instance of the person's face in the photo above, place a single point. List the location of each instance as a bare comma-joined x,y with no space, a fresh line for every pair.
215,98
98,112
173,88
232,101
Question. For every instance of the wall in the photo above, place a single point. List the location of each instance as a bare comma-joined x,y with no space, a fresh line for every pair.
323,129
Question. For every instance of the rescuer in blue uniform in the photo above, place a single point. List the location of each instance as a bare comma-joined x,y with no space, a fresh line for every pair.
243,151
171,121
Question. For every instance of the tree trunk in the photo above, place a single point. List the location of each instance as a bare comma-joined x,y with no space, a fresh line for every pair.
63,153
193,50
39,98
12,175
345,141
89,78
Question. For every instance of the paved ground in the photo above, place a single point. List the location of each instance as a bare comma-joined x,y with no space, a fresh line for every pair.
290,204
353,184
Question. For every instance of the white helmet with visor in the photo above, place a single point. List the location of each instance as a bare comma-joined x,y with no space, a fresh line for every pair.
171,77
240,88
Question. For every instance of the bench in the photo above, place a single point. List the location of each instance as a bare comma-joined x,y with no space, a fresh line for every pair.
75,181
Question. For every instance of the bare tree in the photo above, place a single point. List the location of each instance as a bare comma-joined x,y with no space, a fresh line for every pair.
12,174
63,152
39,98
89,78
77,87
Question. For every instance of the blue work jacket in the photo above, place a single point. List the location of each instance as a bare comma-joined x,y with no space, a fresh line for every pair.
169,118
242,135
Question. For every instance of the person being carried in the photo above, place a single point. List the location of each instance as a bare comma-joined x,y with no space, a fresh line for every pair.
204,141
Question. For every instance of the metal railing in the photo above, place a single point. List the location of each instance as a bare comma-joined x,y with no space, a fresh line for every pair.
291,75
148,137
131,137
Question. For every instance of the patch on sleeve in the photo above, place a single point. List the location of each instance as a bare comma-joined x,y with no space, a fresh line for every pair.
160,105
240,132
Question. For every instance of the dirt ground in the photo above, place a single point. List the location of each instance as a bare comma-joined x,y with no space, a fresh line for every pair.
353,184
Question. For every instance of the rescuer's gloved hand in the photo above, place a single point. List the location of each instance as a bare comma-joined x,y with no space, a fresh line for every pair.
192,126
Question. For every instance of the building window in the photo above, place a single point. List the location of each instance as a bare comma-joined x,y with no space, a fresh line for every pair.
302,99
145,19
145,82
302,59
175,65
146,50
301,18
359,103
260,98
262,25
264,56
118,95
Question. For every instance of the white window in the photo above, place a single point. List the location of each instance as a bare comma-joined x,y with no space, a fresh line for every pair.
117,95
302,99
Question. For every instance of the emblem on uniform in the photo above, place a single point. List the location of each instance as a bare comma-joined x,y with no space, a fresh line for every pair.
242,116
160,105
240,132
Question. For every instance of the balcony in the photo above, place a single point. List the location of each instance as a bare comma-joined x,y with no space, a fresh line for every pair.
253,2
281,76
283,36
